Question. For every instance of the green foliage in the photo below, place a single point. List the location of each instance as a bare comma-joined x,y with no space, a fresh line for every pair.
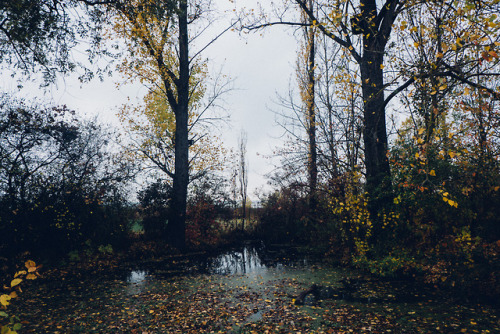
38,36
398,263
105,249
74,256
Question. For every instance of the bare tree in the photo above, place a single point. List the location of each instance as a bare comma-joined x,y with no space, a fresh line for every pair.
243,175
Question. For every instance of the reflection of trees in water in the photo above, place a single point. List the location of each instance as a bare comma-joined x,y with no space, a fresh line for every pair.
255,258
249,258
136,280
278,256
242,261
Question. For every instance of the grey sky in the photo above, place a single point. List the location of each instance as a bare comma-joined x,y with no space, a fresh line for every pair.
260,67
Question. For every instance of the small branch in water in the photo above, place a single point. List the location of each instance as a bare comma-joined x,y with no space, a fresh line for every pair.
314,289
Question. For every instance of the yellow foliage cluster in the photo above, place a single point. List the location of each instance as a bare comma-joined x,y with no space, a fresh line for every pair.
352,212
151,39
389,219
8,323
152,126
466,245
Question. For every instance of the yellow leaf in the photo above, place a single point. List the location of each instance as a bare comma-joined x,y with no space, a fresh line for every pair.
4,300
416,44
452,154
19,273
446,194
13,294
30,264
432,173
417,155
420,131
382,66
15,282
466,91
31,276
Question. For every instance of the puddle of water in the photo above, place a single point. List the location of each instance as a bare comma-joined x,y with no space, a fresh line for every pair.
255,317
136,280
245,261
254,266
136,276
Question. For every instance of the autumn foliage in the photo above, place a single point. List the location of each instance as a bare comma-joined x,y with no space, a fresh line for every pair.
9,324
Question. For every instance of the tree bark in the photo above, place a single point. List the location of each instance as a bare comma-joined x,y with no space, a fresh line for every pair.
377,27
312,161
374,132
177,230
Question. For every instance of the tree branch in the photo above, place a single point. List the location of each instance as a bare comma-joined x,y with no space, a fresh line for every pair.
345,43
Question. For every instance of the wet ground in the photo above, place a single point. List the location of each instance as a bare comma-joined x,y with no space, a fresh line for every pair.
248,289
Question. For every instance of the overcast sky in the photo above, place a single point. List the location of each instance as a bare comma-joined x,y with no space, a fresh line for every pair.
261,66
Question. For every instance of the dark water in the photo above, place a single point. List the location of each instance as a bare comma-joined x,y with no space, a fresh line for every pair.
255,262
249,260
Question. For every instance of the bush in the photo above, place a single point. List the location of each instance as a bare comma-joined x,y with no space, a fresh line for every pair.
60,183
283,217
155,202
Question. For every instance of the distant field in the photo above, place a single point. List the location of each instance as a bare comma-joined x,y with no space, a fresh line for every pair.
226,226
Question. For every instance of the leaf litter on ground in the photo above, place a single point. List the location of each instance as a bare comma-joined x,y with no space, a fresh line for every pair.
103,302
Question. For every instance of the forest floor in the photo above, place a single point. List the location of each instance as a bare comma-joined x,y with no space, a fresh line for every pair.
252,297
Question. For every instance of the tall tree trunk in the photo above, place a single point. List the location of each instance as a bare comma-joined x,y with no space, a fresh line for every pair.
312,156
375,29
378,183
375,133
181,175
